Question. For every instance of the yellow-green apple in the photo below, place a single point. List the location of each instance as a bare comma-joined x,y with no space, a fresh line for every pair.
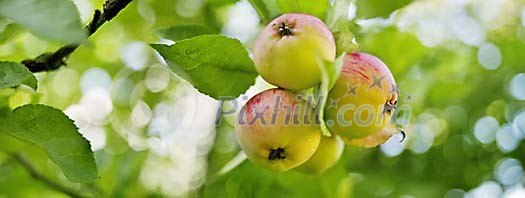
277,130
374,139
363,98
328,153
288,50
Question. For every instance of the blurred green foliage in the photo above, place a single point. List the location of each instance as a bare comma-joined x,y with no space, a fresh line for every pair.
450,91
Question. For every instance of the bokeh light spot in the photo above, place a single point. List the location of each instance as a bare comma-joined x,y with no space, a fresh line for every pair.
141,114
486,189
507,138
157,79
242,22
508,171
135,55
489,56
485,129
517,86
393,147
519,122
95,78
422,138
65,82
188,9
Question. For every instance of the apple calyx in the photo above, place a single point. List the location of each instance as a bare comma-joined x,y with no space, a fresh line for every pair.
390,106
277,154
284,29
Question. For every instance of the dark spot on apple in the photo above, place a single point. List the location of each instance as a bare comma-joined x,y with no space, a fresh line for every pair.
277,154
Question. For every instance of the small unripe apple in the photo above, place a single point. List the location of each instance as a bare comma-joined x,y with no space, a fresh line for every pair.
328,153
363,99
374,139
287,51
277,130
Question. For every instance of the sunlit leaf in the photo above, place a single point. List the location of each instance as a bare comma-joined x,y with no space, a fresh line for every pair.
337,11
10,32
337,21
13,74
181,32
214,64
344,37
54,19
53,132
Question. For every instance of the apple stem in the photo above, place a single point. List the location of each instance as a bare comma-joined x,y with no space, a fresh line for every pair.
403,134
276,154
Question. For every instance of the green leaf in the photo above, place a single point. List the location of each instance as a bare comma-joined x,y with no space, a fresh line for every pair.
10,32
181,32
54,19
338,10
53,132
31,81
344,38
13,74
329,74
378,8
317,8
272,7
214,64
262,10
337,21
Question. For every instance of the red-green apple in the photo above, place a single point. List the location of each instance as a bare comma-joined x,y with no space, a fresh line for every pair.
363,99
288,50
276,130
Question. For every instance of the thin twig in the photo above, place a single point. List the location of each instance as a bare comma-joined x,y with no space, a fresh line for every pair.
38,176
52,61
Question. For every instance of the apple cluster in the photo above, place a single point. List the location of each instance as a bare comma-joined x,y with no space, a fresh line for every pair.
279,129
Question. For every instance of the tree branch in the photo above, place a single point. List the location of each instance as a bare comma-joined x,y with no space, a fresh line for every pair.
52,61
37,176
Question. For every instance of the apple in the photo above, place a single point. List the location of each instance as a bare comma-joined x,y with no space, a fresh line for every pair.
288,50
374,139
277,130
328,153
363,98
